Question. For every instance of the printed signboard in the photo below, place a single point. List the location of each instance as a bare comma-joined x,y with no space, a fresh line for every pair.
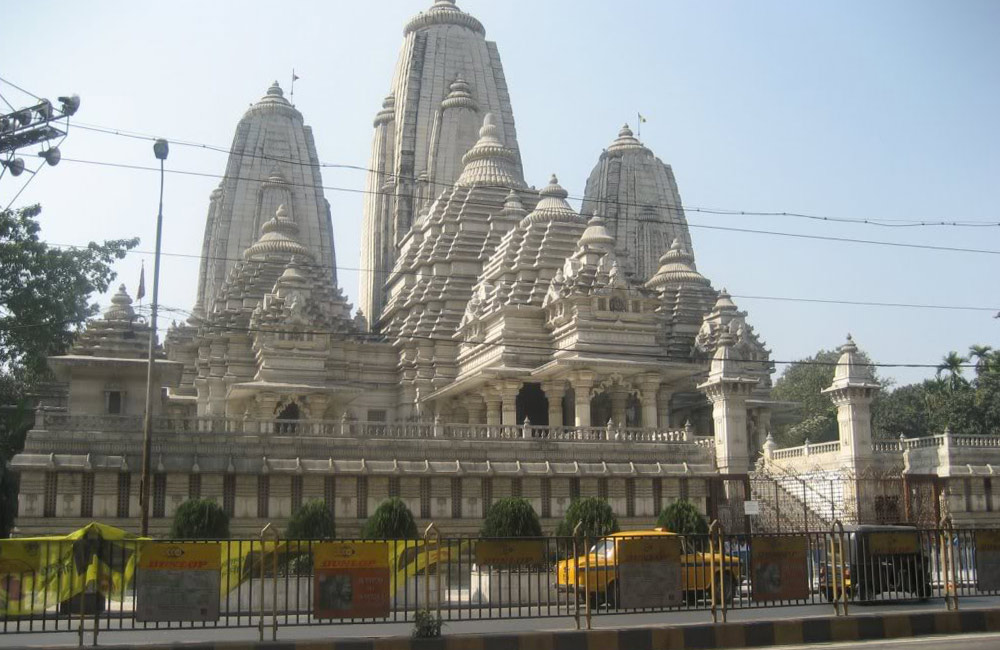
512,552
778,568
649,572
178,582
988,560
893,543
351,580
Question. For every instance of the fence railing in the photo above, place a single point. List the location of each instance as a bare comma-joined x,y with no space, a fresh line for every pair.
93,585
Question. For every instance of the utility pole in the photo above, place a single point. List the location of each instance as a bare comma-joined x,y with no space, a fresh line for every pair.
36,124
160,150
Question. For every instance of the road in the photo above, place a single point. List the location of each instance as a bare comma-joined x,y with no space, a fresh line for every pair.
979,641
502,625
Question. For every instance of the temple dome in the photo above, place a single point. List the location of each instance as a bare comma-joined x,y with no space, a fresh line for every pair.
489,162
676,267
552,205
121,306
278,236
443,12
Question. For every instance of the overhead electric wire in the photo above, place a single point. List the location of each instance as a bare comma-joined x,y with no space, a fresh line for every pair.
883,222
631,290
953,249
14,85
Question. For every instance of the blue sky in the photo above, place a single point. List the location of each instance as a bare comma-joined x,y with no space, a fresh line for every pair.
856,109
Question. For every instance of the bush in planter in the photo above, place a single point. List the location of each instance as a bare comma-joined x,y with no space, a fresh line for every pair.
312,520
391,520
683,518
595,515
200,519
511,517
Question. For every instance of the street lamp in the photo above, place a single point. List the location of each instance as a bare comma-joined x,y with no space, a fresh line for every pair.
160,150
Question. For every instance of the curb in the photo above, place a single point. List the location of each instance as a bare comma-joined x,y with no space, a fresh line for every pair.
750,634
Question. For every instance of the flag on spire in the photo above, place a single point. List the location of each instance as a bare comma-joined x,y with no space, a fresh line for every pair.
141,291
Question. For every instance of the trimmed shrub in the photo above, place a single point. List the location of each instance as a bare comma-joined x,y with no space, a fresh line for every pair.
683,518
312,520
391,520
200,519
595,515
511,517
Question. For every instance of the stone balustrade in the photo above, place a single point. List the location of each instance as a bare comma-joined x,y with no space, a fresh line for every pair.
61,421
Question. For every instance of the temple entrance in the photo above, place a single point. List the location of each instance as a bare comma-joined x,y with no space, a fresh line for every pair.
532,404
286,419
600,409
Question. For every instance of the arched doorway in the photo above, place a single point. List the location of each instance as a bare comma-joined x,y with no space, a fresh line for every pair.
287,418
633,412
600,409
532,404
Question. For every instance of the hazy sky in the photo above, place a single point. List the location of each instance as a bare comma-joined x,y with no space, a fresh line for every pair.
881,110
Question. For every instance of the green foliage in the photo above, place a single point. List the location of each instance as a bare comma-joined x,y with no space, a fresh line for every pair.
683,518
312,520
200,519
426,625
511,517
595,515
391,520
45,291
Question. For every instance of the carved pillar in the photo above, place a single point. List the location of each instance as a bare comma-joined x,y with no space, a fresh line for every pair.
619,399
582,382
554,392
728,391
476,408
650,410
508,393
663,398
493,402
852,391
317,406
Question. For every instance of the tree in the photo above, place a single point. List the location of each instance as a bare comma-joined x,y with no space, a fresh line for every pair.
312,520
391,520
200,519
803,382
511,517
952,366
982,355
683,518
903,411
595,515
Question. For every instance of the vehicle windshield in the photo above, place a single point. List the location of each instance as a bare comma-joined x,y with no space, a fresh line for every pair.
603,547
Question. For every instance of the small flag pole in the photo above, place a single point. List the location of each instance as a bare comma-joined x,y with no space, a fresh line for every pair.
141,291
638,125
292,93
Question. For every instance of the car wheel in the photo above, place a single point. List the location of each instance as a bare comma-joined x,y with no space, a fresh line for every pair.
611,595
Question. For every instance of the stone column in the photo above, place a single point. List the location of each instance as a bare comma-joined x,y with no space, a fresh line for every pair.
663,398
650,385
508,392
728,391
554,392
493,403
619,399
582,382
476,408
852,391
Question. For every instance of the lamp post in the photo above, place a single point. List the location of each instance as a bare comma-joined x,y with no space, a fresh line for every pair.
160,150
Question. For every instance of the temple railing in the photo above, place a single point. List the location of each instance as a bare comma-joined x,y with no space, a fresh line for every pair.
62,421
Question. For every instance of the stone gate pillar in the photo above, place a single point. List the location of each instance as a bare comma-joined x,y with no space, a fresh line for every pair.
852,391
728,391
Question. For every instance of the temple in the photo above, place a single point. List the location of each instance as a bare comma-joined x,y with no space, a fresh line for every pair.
506,344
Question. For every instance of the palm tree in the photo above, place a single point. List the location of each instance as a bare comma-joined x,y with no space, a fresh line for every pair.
981,353
952,364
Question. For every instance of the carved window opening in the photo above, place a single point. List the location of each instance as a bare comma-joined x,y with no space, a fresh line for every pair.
263,495
87,496
546,498
287,418
618,304
229,495
532,404
194,486
393,486
602,489
296,493
487,494
456,498
574,489
159,495
330,494
115,401
425,498
630,497
600,409
362,494
569,407
124,490
51,494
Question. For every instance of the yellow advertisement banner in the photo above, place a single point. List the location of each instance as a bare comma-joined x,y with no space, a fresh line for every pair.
893,543
512,552
181,556
351,555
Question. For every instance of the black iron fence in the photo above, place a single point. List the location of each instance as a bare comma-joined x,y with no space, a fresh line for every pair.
94,584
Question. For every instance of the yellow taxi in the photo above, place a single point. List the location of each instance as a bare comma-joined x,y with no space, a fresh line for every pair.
595,574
